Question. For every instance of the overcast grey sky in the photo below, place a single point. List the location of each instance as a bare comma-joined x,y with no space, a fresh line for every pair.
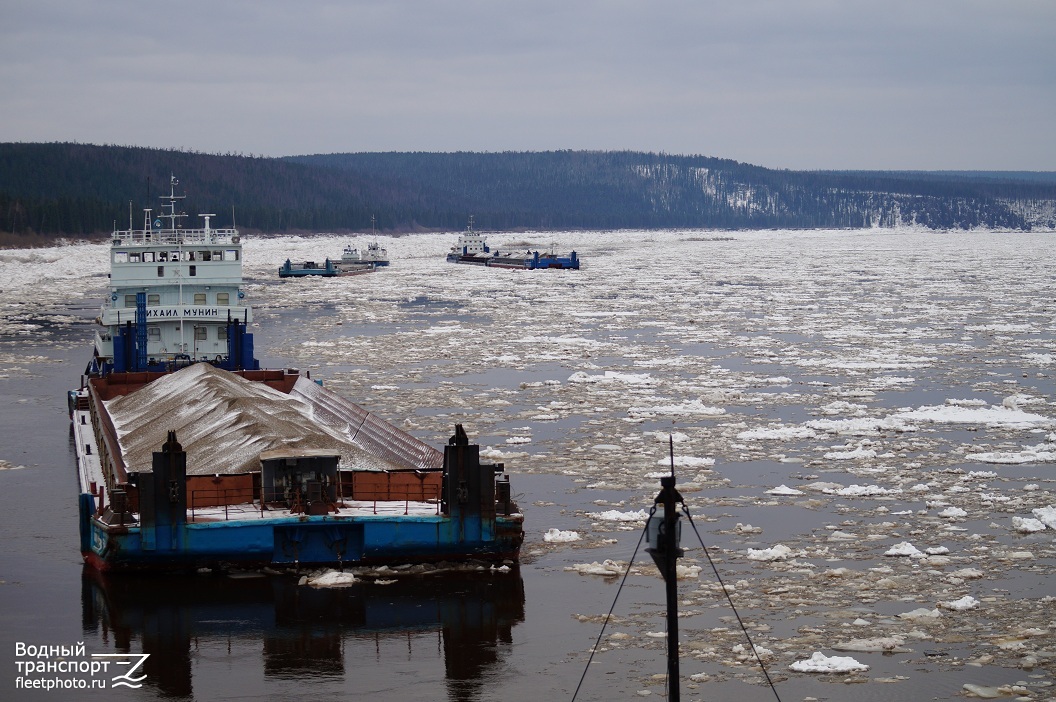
801,84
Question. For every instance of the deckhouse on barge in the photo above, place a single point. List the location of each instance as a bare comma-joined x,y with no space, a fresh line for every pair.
175,297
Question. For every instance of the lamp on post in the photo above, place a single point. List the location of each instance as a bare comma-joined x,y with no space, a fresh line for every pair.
663,534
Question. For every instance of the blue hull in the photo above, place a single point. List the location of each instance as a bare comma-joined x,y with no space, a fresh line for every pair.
303,273
285,541
535,262
291,270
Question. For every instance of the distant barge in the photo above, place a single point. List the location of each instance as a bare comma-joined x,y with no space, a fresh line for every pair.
472,248
327,269
191,456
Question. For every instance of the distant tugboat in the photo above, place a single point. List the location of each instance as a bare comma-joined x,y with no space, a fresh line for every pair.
191,456
473,249
375,254
352,263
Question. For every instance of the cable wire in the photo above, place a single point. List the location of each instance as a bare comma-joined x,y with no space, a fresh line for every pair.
725,592
718,579
614,599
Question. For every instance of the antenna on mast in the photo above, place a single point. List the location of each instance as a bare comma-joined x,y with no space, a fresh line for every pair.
671,449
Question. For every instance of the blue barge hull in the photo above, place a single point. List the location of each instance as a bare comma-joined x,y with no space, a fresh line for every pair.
291,270
534,261
309,540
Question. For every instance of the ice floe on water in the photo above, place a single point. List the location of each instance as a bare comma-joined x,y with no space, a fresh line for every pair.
330,578
556,536
387,575
882,644
779,552
1041,453
904,548
1046,515
777,433
841,405
608,568
613,377
783,490
690,407
966,602
986,416
614,515
820,663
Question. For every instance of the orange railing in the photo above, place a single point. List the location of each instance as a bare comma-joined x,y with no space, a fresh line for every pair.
213,498
391,486
371,487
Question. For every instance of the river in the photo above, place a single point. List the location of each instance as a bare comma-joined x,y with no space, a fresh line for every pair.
864,433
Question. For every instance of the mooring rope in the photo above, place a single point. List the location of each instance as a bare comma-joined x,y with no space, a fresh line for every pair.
613,607
725,592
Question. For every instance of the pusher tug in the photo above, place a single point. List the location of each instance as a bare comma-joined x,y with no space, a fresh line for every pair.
189,455
472,248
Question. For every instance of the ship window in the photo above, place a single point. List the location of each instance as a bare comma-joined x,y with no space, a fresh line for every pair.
153,333
204,255
218,255
231,255
192,270
161,271
175,256
153,300
148,257
201,333
133,258
199,298
223,298
221,333
163,256
120,257
192,255
130,300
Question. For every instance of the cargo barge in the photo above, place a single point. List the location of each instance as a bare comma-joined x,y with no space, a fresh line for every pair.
328,269
472,248
190,456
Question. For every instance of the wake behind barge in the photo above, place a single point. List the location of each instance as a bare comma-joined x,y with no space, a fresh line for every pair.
189,455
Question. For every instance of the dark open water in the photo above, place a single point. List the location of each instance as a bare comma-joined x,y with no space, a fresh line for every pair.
460,636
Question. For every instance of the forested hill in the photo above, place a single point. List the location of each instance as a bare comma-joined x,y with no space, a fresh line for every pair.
78,189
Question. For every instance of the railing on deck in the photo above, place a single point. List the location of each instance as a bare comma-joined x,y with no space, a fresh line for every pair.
174,237
225,498
406,497
373,488
391,486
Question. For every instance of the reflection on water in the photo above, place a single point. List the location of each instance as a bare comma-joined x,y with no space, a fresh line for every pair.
305,633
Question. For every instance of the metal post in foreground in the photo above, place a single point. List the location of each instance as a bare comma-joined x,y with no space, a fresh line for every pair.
664,535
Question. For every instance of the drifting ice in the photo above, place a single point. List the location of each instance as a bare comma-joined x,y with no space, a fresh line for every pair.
820,663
